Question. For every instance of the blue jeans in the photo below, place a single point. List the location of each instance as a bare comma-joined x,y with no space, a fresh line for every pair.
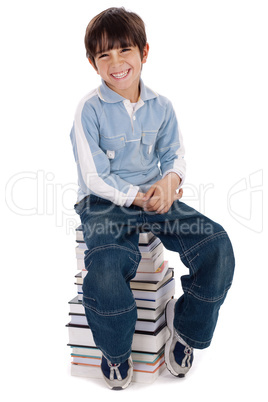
111,234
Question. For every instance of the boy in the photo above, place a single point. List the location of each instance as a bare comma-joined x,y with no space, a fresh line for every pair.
130,161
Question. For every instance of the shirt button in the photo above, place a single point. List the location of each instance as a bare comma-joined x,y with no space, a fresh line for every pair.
134,117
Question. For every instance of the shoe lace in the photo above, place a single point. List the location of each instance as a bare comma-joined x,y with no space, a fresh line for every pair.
187,358
114,369
187,351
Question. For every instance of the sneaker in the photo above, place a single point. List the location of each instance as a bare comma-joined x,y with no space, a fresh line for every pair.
117,376
178,355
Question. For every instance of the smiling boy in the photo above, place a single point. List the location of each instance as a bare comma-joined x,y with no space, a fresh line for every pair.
120,68
130,161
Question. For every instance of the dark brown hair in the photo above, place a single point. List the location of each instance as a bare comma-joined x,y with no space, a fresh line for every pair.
114,28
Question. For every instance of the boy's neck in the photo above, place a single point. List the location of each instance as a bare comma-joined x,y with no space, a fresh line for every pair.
132,93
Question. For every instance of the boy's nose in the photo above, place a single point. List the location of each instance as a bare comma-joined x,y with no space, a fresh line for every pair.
117,59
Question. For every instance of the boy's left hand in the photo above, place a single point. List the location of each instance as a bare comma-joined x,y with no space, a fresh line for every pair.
162,194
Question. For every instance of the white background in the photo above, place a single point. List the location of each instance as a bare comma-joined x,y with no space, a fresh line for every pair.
210,59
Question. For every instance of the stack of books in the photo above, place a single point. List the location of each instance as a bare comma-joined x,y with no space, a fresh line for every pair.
152,287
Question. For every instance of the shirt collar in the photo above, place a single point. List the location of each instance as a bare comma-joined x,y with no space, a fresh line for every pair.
108,95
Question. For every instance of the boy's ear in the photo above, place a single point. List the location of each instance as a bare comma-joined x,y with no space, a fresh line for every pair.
93,65
145,53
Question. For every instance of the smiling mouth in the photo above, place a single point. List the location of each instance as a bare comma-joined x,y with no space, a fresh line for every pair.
122,74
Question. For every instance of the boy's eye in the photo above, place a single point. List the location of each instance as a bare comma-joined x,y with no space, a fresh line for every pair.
103,55
125,50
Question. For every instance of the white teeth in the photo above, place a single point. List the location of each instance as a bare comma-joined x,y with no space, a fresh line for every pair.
120,75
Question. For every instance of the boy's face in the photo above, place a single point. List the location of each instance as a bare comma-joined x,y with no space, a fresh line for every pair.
121,68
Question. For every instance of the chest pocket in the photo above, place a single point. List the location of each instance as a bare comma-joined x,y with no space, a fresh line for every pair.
114,149
148,140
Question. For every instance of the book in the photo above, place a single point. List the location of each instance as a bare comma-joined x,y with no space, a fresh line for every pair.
151,251
145,313
153,295
79,279
150,246
150,264
150,325
147,285
76,307
79,234
151,285
141,357
145,237
141,325
86,363
81,370
143,341
155,303
155,277
139,365
147,251
140,293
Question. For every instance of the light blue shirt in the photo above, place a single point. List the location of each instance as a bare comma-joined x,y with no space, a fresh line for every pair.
120,149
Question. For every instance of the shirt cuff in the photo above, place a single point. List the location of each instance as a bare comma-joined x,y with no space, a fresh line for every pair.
131,195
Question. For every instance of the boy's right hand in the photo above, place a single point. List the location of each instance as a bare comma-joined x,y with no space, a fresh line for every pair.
139,200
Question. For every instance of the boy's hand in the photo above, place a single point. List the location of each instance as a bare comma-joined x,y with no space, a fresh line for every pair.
139,200
162,194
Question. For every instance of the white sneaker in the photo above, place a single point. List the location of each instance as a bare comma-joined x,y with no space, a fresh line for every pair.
178,355
117,376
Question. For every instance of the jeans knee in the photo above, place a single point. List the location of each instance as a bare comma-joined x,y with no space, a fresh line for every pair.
223,267
105,287
223,251
111,261
212,268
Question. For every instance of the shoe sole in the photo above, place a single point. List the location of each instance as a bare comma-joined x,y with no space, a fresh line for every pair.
169,311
